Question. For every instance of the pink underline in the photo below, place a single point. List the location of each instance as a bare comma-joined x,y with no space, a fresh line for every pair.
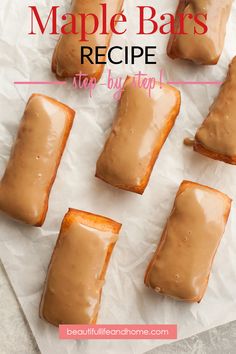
39,82
195,83
161,76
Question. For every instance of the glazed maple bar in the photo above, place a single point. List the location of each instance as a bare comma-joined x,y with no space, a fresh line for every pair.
76,273
34,159
67,60
200,48
181,265
216,138
141,126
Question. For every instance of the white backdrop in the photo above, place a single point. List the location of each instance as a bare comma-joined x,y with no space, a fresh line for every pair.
25,251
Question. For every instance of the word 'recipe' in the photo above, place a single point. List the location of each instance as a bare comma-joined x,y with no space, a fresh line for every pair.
146,15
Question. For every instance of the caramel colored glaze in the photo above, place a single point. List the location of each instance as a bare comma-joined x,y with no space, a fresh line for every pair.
35,156
77,269
216,138
181,266
140,129
205,48
66,61
189,142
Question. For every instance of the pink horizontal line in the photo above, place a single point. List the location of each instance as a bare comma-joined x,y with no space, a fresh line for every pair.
195,82
39,82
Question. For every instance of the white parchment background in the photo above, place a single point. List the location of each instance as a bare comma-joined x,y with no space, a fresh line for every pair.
25,251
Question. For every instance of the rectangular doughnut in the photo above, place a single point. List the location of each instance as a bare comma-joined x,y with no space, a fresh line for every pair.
216,138
77,269
141,126
205,48
66,61
182,263
34,159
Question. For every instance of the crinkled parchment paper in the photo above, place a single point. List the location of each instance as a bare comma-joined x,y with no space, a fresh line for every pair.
25,251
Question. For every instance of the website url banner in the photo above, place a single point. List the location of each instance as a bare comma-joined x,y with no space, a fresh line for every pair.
118,331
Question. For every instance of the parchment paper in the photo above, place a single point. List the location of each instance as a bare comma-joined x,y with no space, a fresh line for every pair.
25,251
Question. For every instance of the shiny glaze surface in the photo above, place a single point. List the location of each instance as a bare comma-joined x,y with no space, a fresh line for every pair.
33,161
188,142
218,131
138,133
74,282
66,58
206,48
182,263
